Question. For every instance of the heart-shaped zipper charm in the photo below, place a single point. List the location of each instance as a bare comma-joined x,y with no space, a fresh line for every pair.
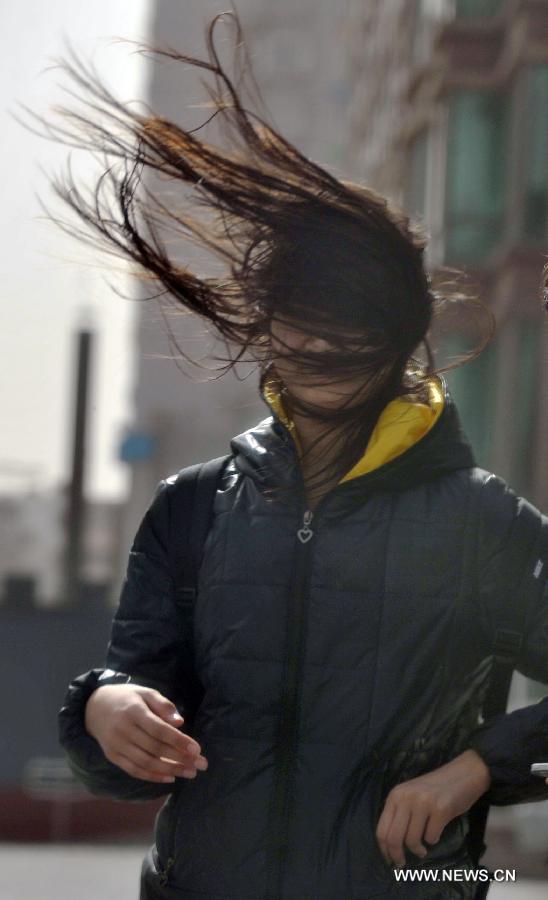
305,533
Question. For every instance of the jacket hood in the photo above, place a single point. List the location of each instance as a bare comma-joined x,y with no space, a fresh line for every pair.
412,442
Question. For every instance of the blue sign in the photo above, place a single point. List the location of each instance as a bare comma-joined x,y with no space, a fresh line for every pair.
137,446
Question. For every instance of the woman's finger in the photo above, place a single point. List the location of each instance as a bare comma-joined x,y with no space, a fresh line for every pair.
435,826
158,748
161,731
136,771
392,843
146,762
416,832
383,827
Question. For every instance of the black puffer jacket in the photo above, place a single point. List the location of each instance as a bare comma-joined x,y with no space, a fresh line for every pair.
332,667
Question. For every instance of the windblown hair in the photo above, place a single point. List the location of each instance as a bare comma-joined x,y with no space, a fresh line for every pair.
299,244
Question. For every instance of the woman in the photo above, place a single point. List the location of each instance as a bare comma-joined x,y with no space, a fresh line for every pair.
342,641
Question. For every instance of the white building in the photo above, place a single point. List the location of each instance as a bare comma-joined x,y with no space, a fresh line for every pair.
32,543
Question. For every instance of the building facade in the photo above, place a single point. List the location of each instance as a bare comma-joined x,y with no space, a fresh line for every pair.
32,546
449,117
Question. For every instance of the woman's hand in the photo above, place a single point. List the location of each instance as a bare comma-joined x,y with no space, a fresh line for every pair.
419,809
137,729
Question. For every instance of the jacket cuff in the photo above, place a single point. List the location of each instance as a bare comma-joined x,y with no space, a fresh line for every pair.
71,718
85,755
508,744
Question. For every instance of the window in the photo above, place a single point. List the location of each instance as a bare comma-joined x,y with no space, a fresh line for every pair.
472,387
476,175
477,8
428,15
535,155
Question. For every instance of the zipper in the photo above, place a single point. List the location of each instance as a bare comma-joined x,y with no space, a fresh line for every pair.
163,873
280,808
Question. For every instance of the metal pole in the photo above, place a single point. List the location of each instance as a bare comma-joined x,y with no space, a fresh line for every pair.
75,510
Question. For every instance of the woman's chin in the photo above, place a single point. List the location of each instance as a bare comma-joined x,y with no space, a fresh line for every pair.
318,397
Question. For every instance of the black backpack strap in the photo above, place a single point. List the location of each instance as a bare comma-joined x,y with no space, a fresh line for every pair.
191,511
512,596
521,553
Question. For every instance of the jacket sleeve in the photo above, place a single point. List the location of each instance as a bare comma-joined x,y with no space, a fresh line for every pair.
146,647
510,742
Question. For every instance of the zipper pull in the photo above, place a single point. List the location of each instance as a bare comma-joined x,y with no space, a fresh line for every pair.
163,874
305,533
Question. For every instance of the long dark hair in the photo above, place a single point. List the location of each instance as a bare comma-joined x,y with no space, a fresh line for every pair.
298,243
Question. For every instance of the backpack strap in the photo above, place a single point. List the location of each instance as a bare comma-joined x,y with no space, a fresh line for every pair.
191,511
520,553
513,595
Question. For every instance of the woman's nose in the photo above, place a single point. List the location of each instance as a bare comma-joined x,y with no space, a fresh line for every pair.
298,340
317,345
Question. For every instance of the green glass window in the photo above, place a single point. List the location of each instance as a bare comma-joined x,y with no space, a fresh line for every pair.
415,199
525,405
473,387
476,174
535,194
477,8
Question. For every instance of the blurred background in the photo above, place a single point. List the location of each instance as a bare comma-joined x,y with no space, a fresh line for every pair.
442,105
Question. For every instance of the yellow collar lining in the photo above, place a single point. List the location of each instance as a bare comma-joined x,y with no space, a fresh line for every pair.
401,424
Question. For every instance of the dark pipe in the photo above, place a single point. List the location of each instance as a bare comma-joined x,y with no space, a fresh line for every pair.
75,492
